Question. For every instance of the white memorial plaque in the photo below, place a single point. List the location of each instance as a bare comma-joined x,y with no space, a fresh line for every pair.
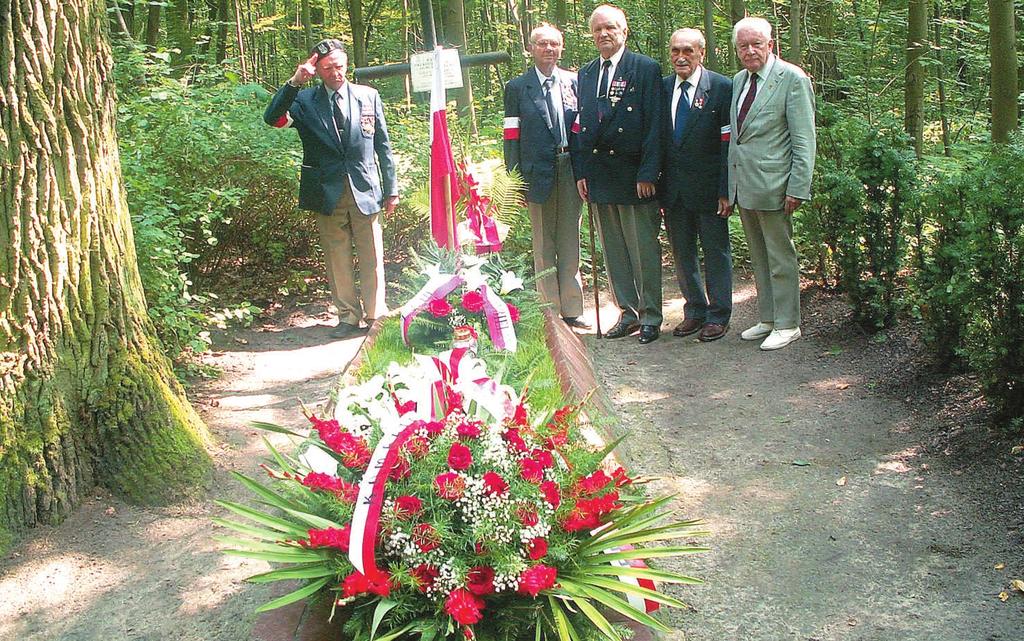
421,68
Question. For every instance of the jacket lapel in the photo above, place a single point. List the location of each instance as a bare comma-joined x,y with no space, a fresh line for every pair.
700,93
536,95
355,116
765,92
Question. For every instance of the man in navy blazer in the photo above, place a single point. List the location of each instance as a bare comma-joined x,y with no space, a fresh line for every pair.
695,186
617,157
540,107
348,176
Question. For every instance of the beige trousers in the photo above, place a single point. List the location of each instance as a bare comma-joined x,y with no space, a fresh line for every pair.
776,269
339,232
556,242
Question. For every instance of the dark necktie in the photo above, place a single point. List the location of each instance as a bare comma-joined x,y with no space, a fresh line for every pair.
602,96
682,113
550,101
340,121
747,101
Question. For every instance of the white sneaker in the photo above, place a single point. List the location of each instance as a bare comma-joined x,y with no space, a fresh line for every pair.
757,332
779,338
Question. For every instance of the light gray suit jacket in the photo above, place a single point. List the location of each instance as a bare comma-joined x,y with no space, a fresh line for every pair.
773,155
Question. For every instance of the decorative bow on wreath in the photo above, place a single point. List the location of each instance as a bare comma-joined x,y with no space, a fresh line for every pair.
486,231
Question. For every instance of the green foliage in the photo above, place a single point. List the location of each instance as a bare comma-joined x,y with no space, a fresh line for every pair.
858,222
211,190
973,282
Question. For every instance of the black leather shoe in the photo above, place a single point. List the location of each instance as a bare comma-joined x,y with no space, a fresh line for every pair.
346,330
649,333
577,323
622,329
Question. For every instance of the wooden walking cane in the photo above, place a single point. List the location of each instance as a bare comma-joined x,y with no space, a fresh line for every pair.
593,269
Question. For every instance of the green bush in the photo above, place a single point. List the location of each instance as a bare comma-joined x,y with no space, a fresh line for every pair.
211,190
973,282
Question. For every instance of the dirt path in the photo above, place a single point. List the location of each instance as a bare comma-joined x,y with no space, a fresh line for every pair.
755,443
832,516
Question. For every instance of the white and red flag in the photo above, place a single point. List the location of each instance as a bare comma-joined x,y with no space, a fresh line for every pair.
444,184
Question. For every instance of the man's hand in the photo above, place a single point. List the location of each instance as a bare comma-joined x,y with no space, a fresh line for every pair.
389,204
581,186
644,190
304,71
724,208
792,204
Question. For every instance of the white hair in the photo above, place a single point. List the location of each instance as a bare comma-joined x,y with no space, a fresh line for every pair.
690,32
544,27
608,8
760,25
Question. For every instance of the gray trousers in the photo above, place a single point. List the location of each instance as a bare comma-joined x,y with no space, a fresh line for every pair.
776,269
632,256
685,226
556,242
339,232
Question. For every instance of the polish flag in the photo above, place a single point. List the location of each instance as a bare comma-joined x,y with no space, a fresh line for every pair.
444,184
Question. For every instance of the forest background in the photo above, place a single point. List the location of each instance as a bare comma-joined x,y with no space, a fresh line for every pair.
918,212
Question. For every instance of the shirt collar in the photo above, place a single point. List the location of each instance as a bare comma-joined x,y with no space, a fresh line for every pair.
616,57
343,90
542,77
694,78
767,68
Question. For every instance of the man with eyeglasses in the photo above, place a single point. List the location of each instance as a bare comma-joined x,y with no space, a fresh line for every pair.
347,179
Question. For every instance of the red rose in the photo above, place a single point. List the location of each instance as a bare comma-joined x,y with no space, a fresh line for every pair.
401,470
539,577
407,506
434,428
425,537
494,484
331,537
450,485
464,606
480,580
473,302
468,429
378,583
513,313
544,458
551,493
537,549
459,457
439,307
425,576
531,470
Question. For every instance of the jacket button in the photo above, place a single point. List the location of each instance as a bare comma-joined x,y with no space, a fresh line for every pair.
629,108
595,151
584,129
611,152
620,130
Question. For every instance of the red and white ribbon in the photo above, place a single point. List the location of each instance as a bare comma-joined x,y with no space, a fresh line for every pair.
638,602
439,286
499,320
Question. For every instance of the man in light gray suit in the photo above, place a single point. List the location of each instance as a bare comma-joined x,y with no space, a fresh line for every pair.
771,161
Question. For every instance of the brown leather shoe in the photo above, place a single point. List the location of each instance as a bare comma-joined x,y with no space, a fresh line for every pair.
712,332
687,327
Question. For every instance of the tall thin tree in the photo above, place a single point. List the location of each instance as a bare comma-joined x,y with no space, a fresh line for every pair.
913,97
1003,50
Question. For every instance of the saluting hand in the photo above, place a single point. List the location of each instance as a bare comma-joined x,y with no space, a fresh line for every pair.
304,71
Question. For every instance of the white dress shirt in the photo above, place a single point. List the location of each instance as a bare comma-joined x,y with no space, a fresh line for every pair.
616,57
762,75
691,89
556,98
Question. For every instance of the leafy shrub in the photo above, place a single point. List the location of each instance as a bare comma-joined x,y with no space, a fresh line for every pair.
973,282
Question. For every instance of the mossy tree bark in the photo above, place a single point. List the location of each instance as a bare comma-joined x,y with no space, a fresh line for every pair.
86,397
1003,49
917,46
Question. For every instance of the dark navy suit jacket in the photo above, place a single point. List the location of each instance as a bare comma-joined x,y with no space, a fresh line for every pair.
330,164
530,137
626,147
696,168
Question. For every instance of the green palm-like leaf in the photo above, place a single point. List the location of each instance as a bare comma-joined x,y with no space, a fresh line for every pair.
566,631
506,194
249,544
312,519
579,598
624,608
273,522
653,553
642,573
285,555
268,496
663,533
292,597
255,532
630,588
305,571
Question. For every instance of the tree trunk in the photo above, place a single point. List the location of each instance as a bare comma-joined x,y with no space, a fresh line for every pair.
86,397
709,35
940,70
153,25
663,33
796,54
913,93
179,32
355,19
455,24
1002,48
222,30
307,25
737,11
561,14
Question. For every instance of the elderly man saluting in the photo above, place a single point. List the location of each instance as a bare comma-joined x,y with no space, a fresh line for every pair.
342,128
617,159
771,161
